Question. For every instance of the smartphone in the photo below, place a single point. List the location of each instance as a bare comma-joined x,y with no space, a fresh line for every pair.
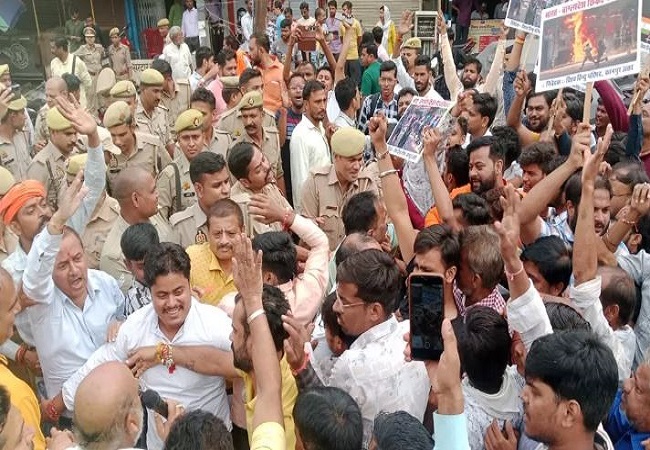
15,91
427,313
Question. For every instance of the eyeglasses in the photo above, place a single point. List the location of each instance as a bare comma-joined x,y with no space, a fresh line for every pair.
349,305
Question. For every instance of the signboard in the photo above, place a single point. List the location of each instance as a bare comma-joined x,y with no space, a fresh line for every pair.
484,32
589,40
427,30
137,67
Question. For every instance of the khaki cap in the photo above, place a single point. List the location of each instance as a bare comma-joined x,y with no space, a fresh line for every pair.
348,141
250,100
230,82
6,180
4,68
56,121
412,43
163,23
89,31
118,113
191,119
123,89
107,141
105,81
114,32
77,163
151,77
17,105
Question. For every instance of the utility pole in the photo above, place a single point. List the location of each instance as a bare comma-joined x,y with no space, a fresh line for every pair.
259,11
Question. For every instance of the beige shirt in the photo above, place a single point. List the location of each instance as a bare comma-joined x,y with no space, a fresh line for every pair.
177,103
48,167
190,225
14,155
8,243
149,154
220,143
112,258
98,228
270,147
167,186
120,61
323,196
156,124
231,122
92,56
242,196
58,68
41,131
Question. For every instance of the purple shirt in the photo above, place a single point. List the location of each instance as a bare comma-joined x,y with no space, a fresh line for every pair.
465,8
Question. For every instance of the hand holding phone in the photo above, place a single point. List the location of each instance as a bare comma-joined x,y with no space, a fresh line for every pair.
426,300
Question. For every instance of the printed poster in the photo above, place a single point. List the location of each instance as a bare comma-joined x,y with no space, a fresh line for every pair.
484,32
406,140
526,15
588,40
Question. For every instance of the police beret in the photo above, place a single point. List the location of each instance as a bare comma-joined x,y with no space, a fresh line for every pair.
123,89
6,180
18,104
118,113
348,141
56,121
163,23
230,82
250,100
412,43
151,77
191,119
114,32
76,163
89,31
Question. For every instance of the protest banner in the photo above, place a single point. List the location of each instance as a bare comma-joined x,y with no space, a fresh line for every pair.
525,15
588,40
484,32
406,139
645,34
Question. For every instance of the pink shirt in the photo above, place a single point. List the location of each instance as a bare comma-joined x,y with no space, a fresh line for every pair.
216,86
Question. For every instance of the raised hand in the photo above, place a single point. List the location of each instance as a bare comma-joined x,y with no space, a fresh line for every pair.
81,120
442,25
431,138
294,345
580,142
495,439
508,228
5,98
70,202
405,23
592,161
640,202
268,211
522,84
377,127
247,269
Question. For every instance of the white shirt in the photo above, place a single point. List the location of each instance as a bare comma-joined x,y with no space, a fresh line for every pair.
374,373
65,335
382,53
246,29
58,68
180,58
190,23
309,150
433,94
204,325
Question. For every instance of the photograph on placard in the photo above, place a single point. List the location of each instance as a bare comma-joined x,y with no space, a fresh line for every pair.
588,41
406,139
525,15
645,34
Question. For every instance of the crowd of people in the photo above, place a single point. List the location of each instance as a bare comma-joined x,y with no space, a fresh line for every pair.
217,256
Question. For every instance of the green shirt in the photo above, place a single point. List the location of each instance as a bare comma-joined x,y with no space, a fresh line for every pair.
74,28
370,79
175,15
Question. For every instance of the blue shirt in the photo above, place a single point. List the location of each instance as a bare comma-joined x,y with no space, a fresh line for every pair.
620,430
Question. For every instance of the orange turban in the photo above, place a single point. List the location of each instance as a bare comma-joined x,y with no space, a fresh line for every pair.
17,196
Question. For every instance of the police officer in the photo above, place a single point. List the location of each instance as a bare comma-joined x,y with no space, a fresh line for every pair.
150,115
175,189
49,165
14,149
231,94
175,94
211,180
328,188
91,53
125,90
138,149
103,217
266,138
214,140
120,56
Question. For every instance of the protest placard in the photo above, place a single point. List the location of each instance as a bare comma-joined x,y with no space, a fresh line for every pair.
484,32
525,15
645,34
406,139
588,40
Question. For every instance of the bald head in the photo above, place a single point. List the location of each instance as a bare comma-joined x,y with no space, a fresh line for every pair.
107,407
130,180
54,87
354,243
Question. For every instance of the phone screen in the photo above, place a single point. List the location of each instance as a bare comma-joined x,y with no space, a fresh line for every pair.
427,313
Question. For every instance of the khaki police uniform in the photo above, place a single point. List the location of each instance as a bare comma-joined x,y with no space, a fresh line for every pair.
92,56
97,230
220,143
177,103
14,150
112,258
120,57
48,167
231,122
322,193
148,151
190,226
156,124
242,196
41,131
173,195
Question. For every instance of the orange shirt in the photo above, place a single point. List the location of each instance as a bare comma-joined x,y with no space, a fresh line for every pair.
240,57
273,86
433,218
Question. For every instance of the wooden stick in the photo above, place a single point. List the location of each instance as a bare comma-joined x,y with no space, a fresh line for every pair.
524,55
586,112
